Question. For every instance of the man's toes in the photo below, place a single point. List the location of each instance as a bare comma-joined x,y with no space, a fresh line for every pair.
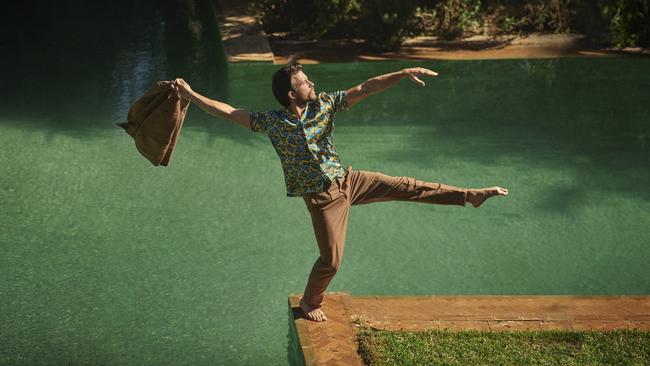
322,317
313,316
318,315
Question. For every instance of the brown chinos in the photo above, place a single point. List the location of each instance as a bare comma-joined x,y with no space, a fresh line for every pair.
329,214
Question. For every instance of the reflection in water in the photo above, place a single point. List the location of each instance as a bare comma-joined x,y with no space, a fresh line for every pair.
295,356
134,68
77,65
540,69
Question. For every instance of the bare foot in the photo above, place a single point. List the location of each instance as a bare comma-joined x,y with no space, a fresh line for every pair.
477,196
316,315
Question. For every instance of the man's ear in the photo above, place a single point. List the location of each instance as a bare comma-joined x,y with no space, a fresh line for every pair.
292,95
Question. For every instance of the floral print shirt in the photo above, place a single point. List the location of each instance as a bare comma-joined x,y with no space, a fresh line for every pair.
304,144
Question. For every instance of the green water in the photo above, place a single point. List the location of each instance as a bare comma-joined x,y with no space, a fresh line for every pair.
109,260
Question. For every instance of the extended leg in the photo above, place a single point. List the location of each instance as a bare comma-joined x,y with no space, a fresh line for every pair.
367,187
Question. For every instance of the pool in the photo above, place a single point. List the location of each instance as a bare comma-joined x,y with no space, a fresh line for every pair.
107,259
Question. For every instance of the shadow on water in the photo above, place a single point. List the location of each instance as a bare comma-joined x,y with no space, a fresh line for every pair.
77,66
585,117
295,356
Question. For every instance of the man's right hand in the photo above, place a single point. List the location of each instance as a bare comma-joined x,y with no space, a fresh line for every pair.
182,88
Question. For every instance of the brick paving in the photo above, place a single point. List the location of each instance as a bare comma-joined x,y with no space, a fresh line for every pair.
333,342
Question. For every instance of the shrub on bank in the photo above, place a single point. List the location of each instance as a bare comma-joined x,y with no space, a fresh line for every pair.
630,22
319,19
385,23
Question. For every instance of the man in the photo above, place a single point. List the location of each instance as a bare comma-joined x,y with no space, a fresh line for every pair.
301,133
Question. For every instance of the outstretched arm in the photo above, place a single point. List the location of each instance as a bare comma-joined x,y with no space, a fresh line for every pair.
383,82
212,107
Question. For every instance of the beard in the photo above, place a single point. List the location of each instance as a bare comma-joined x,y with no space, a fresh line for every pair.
310,98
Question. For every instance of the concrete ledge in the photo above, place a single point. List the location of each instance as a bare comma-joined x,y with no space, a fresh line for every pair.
334,342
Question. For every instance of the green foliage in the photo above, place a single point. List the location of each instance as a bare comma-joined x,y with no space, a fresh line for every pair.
384,22
535,15
458,16
547,15
630,23
510,24
308,19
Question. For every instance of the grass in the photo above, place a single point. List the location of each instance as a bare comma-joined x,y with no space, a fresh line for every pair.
473,347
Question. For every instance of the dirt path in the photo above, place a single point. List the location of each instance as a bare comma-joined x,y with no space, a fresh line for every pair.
431,48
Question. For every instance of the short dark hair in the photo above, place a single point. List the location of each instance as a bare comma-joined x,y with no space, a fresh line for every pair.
282,82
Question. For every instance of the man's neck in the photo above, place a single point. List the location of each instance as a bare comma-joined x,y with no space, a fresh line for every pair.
298,109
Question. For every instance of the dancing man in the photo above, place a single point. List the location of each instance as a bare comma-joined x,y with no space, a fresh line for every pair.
301,133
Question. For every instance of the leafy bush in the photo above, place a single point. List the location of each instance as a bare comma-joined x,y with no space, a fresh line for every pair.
630,23
457,17
384,22
535,15
547,15
308,19
620,23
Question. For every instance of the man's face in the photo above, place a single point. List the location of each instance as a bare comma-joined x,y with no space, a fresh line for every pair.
303,89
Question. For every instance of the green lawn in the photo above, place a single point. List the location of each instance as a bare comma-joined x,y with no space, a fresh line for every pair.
443,347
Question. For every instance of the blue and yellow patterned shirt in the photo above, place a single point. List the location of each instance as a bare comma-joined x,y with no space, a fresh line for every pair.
304,145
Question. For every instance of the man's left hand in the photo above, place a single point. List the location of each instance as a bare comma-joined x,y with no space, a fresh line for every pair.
415,72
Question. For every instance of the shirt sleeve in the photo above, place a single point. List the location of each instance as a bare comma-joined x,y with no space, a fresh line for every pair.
259,121
338,100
